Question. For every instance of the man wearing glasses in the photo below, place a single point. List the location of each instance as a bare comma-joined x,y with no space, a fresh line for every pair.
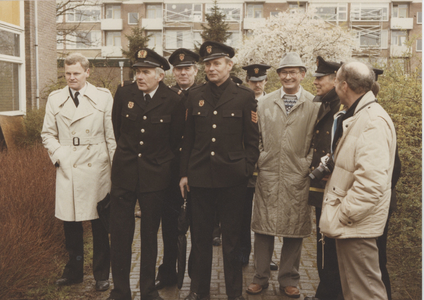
286,120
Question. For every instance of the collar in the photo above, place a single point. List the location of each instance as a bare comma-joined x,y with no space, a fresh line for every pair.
297,94
152,93
81,91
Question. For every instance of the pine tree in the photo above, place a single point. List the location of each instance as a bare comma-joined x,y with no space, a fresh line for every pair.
216,29
136,41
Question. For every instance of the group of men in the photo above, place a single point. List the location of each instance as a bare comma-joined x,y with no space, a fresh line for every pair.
225,144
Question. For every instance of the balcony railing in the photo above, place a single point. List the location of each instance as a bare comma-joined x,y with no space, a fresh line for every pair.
111,24
401,23
111,51
152,24
250,23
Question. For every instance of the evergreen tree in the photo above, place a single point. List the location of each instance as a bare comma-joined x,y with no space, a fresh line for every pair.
217,29
136,41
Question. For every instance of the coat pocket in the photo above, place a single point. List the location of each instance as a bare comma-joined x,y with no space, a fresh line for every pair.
329,223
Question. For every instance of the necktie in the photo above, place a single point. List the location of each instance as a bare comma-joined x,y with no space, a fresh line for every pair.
147,98
76,101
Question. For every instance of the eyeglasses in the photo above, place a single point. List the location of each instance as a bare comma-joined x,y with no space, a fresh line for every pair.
284,73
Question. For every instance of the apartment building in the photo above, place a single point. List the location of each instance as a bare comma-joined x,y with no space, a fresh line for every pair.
382,26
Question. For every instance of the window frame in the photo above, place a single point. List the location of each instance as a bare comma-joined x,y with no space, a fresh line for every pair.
192,17
228,6
395,8
396,35
421,14
158,8
416,45
383,38
114,10
358,7
338,7
253,10
129,18
82,8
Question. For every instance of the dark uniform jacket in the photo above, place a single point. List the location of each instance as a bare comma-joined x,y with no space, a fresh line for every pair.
147,137
321,141
220,145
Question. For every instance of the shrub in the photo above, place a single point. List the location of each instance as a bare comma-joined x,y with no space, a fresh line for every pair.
31,237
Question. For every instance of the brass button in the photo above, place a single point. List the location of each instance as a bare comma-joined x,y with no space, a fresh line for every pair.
315,150
232,114
73,132
75,165
141,142
127,116
328,132
198,112
317,131
181,149
144,117
88,147
215,112
213,140
212,153
312,168
87,131
161,120
139,155
142,130
182,137
323,151
89,164
214,126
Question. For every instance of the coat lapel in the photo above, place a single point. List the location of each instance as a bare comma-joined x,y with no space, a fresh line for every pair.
158,98
85,107
207,95
137,96
228,95
67,106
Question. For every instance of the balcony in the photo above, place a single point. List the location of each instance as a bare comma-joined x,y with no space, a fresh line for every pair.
152,24
111,51
111,24
250,23
401,23
398,51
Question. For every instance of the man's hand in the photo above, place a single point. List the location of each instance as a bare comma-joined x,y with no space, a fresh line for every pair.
183,183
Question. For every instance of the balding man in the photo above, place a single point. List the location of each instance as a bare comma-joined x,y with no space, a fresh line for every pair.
357,195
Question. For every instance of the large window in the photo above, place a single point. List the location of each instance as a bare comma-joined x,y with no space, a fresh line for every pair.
132,18
175,39
369,12
332,12
255,10
113,11
297,7
113,38
232,11
399,38
154,11
84,40
233,40
89,13
400,11
155,40
373,38
184,12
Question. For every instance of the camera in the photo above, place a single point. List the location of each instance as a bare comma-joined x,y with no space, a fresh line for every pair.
325,168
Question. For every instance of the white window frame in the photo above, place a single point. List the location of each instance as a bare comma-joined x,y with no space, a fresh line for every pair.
297,7
191,15
116,11
158,8
419,16
88,7
19,60
252,8
153,43
73,43
228,9
397,37
383,37
114,35
416,45
129,18
341,8
236,43
175,39
356,14
395,10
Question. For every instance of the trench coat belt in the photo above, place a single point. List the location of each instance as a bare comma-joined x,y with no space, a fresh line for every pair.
76,141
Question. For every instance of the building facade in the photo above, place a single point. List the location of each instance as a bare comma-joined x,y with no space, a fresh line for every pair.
383,27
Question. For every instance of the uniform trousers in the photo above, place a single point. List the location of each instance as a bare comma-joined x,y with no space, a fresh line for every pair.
329,287
360,273
246,243
122,226
228,202
74,269
288,271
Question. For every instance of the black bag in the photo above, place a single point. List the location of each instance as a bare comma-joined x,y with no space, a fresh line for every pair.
103,209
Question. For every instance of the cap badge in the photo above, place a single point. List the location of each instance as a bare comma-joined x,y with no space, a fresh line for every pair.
256,70
130,104
201,103
182,56
209,49
142,54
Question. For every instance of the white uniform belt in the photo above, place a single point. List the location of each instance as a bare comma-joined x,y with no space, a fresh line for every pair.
76,141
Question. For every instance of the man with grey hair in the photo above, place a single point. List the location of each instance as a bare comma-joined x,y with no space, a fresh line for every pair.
357,195
148,121
286,121
78,134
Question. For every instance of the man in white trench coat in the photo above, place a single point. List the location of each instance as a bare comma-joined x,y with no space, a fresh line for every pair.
78,135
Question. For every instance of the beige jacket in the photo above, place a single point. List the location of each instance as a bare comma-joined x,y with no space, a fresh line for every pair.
357,196
83,175
281,195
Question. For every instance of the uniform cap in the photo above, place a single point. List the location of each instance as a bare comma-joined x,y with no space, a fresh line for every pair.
256,72
150,59
326,67
183,58
212,50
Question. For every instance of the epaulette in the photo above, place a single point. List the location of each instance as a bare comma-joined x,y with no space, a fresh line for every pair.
103,89
243,87
54,92
125,83
174,89
197,86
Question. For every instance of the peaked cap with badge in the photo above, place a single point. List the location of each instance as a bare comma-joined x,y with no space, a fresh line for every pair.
150,59
325,68
183,58
290,60
256,72
213,50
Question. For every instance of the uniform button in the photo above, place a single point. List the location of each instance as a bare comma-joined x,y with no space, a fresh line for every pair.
315,150
182,137
87,131
214,126
75,149
127,116
142,130
313,144
144,117
73,132
198,112
215,112
213,140
317,131
312,168
161,120
323,151
139,155
328,132
88,147
141,142
89,164
181,149
232,114
75,165
212,153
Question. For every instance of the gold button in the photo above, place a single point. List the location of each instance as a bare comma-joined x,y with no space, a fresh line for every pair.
182,137
87,131
75,165
328,132
313,168
323,151
89,164
213,140
88,147
139,155
315,150
317,131
161,120
215,112
142,130
198,112
73,132
181,149
232,114
127,116
144,117
214,126
141,142
212,153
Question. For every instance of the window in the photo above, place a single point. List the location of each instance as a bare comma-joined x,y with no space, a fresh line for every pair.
132,18
155,40
175,39
113,11
332,12
274,13
197,38
373,38
419,45
154,11
419,17
89,13
233,40
84,40
400,11
113,38
369,12
297,7
184,12
255,10
399,38
232,11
